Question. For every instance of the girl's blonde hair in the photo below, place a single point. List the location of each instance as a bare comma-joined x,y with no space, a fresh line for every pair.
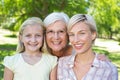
30,21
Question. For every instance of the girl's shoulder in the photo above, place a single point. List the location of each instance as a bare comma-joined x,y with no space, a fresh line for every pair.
48,56
50,60
12,57
10,61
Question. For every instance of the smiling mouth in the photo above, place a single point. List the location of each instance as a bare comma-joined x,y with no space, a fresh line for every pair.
78,46
33,45
56,43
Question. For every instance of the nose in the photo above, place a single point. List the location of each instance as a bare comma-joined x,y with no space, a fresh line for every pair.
56,35
33,39
76,38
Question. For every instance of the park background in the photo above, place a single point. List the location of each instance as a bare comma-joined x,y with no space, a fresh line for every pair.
105,12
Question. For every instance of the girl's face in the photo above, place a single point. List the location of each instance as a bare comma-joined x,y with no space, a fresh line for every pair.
56,36
32,38
81,37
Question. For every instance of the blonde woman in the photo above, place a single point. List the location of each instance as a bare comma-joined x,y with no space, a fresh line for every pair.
83,64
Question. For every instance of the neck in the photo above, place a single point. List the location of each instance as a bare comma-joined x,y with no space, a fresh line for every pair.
58,53
64,52
85,58
38,53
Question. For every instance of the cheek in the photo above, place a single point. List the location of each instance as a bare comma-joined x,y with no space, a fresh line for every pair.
64,37
47,39
24,39
88,39
41,39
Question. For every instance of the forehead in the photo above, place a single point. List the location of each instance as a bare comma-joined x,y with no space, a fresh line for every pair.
58,25
79,26
33,28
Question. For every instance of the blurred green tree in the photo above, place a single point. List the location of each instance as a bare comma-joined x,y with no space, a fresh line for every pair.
14,12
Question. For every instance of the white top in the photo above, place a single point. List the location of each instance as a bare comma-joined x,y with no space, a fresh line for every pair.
25,71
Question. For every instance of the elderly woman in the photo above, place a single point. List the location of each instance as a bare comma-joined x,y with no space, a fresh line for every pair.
83,64
56,34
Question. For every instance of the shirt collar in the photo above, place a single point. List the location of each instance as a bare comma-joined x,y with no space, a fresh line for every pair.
72,58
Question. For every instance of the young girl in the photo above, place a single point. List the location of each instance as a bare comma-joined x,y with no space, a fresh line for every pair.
30,63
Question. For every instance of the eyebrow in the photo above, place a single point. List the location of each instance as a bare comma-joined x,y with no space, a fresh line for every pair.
58,29
78,31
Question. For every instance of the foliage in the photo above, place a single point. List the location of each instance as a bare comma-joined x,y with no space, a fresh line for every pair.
19,10
5,50
105,12
107,16
100,50
12,36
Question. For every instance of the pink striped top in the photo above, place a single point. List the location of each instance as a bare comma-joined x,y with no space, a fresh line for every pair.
100,70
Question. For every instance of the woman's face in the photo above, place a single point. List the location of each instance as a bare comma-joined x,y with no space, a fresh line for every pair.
81,37
56,36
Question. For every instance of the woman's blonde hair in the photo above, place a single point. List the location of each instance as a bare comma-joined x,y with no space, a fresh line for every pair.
88,19
30,21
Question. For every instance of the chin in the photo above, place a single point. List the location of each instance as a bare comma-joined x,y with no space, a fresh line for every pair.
57,50
80,52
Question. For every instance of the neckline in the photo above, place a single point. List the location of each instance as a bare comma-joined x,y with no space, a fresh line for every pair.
71,59
38,62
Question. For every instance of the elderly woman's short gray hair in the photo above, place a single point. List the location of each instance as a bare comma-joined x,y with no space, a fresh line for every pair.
55,16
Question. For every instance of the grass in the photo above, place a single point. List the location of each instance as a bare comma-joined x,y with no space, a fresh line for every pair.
5,50
9,47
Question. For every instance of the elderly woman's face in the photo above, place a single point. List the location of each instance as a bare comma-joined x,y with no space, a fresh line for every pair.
56,36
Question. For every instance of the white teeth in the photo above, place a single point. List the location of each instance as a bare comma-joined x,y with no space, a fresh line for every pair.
56,42
78,45
33,44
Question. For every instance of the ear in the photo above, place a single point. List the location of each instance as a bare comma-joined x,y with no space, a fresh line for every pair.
94,35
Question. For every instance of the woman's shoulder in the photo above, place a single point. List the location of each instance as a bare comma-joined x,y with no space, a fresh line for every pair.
66,58
105,64
109,66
